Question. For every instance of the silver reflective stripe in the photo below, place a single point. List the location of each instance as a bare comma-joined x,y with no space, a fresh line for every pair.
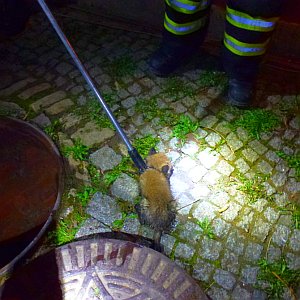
245,21
244,49
188,7
254,22
181,29
185,28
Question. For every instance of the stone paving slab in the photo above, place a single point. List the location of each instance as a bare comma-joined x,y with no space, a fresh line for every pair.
91,134
16,86
34,90
205,182
59,107
48,100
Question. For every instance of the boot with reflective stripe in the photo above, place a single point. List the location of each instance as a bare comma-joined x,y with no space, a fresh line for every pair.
239,93
185,27
172,54
248,29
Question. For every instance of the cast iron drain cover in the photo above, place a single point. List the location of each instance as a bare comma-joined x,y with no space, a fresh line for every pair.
110,269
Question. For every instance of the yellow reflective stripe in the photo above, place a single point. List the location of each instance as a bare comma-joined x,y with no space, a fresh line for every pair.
245,21
183,28
188,7
244,49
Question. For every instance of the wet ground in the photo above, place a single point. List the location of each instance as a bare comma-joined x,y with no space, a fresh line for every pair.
237,188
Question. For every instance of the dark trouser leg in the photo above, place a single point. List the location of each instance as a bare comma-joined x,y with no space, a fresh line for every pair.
13,16
248,28
185,27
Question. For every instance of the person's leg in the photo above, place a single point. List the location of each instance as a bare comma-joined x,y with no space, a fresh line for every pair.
13,16
185,27
248,29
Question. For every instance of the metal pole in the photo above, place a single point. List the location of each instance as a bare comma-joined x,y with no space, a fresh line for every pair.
137,159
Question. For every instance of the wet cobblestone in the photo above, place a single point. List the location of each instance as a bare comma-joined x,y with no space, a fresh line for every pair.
224,279
184,251
210,249
202,270
43,87
105,158
253,252
230,263
125,188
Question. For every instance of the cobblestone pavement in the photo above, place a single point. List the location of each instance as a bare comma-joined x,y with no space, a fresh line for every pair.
222,229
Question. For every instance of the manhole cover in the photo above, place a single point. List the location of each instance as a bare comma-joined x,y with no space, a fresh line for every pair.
110,269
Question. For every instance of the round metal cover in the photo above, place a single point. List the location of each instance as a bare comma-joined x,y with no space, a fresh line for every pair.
30,174
104,269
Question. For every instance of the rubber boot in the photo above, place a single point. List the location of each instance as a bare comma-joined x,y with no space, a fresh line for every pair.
239,93
174,52
243,69
169,57
242,72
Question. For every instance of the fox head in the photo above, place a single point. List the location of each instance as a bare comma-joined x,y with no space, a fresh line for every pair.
160,162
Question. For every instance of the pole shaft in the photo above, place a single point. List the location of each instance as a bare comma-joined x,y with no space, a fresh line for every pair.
84,73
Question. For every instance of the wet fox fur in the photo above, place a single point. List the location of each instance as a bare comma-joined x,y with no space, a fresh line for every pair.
157,207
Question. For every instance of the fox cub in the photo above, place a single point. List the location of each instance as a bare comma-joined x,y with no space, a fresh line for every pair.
157,207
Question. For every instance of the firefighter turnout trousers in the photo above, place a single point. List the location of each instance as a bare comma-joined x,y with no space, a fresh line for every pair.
248,28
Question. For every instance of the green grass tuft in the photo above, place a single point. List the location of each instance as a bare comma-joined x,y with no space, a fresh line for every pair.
184,126
119,223
209,79
123,167
206,228
53,129
144,144
96,113
175,88
278,276
296,215
292,209
150,110
253,188
67,227
84,195
79,151
94,175
65,231
256,122
293,161
122,66
148,107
